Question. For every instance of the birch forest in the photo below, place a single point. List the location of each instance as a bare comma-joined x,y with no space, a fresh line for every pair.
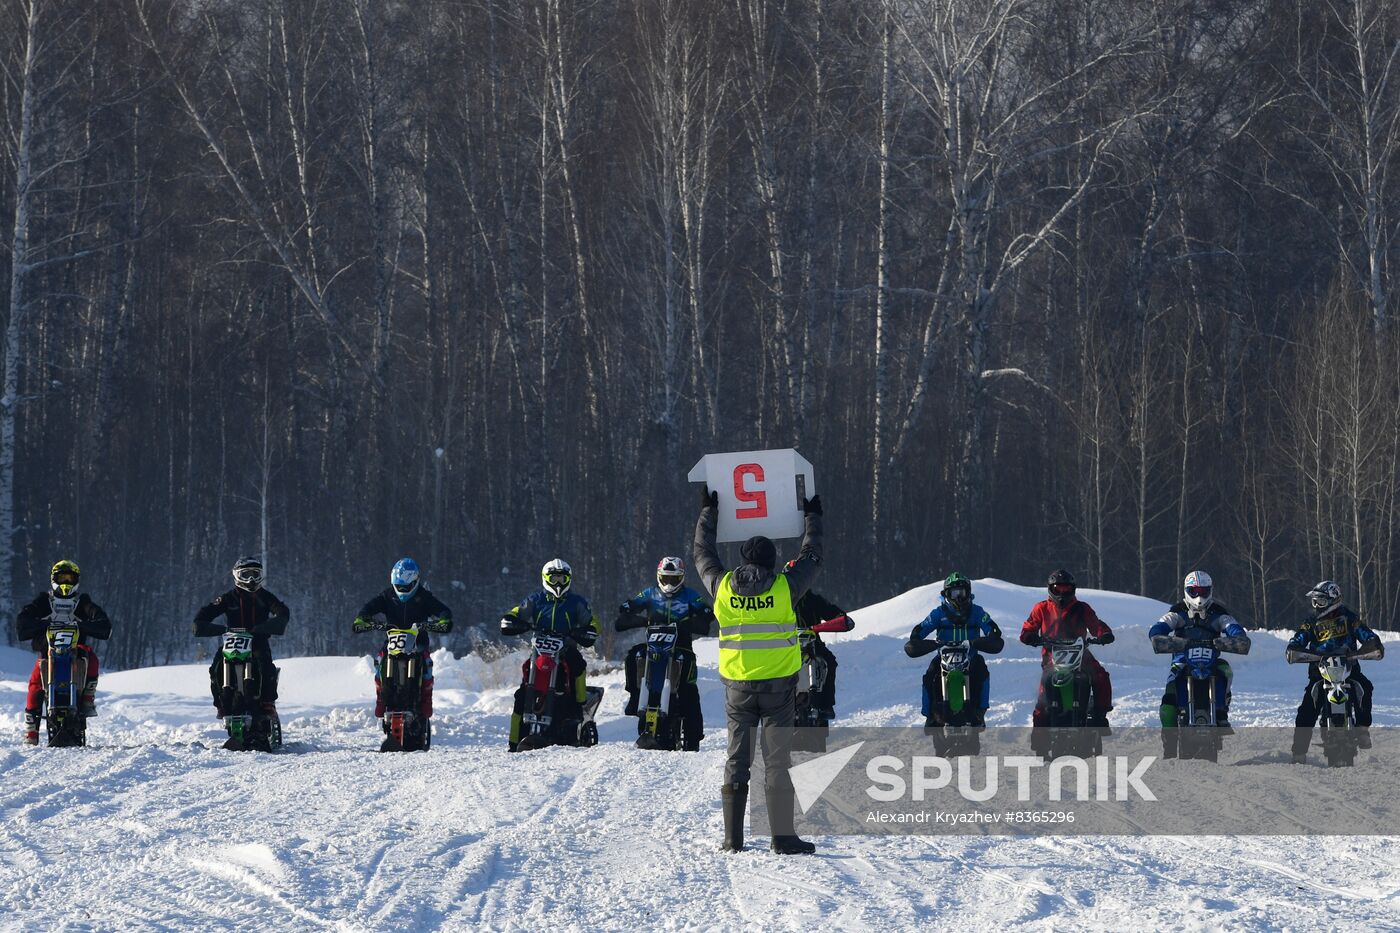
1033,283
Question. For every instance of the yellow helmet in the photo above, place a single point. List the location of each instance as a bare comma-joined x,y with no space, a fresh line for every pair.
64,577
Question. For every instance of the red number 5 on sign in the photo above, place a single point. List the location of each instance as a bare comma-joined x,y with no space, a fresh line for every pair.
757,498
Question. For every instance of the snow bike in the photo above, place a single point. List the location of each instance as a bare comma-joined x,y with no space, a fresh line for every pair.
401,688
548,681
811,720
63,672
1336,696
955,719
239,688
662,669
1197,733
1068,695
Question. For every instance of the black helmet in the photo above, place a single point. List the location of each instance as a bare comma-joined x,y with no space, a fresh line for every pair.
248,574
1061,587
957,592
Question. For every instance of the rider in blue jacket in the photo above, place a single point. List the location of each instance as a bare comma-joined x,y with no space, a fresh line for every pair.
956,619
1332,629
1199,616
669,603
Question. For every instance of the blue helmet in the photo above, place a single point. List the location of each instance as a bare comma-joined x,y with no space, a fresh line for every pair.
405,578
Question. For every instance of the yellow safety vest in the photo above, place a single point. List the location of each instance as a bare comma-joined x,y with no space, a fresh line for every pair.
757,634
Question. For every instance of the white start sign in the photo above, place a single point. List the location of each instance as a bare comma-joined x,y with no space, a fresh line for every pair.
760,491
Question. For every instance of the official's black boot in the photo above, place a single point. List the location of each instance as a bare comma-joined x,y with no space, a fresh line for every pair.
780,820
735,798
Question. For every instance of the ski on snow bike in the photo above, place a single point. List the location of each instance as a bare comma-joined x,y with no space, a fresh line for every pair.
401,689
240,683
954,718
63,672
1067,695
546,693
1337,697
1197,733
663,669
811,720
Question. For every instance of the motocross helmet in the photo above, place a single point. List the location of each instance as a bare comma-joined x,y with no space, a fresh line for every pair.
248,574
1197,588
1061,587
670,575
957,592
557,575
63,578
1325,597
404,578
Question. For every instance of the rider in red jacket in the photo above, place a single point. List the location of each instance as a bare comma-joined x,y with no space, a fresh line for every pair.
1063,617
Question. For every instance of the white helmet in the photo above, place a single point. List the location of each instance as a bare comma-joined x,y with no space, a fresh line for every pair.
1198,588
557,575
670,575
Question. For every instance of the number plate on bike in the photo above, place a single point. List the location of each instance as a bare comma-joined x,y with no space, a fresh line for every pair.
62,638
402,640
953,659
662,638
548,644
1068,656
1200,654
238,645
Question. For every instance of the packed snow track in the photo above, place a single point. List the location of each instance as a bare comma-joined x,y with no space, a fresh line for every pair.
154,826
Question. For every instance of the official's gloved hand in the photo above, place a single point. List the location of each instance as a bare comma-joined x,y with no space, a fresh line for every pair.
812,506
708,500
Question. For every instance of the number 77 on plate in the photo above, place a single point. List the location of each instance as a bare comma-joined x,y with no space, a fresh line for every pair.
760,491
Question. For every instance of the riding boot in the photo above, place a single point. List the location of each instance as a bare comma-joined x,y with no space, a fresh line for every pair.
780,820
87,704
31,727
1171,741
734,799
1302,738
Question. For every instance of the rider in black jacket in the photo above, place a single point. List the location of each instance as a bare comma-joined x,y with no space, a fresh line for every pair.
250,608
405,604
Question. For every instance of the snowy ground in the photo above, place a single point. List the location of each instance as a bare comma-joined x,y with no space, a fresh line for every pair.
155,827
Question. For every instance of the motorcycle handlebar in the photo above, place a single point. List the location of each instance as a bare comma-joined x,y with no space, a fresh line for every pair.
841,623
